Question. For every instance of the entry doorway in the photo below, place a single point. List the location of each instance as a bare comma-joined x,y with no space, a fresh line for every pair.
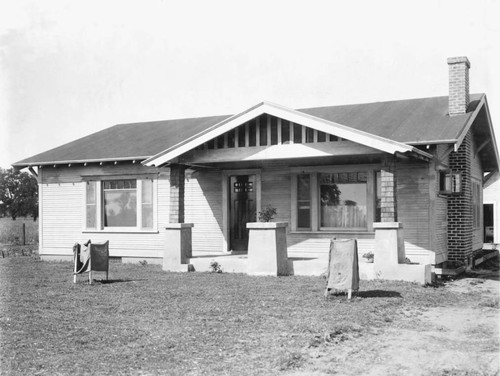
242,209
488,221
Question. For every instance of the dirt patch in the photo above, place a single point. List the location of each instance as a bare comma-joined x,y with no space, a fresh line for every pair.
457,339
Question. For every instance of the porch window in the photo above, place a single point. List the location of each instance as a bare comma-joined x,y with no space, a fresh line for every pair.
327,200
343,200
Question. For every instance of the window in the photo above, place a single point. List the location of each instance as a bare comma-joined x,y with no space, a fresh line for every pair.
327,200
91,205
125,203
449,183
147,203
304,201
343,200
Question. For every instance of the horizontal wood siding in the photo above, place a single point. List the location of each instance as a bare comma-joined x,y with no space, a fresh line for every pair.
203,207
78,173
276,191
62,219
413,208
63,216
163,199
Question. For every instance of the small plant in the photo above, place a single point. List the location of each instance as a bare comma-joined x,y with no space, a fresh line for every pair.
143,262
267,214
369,256
215,267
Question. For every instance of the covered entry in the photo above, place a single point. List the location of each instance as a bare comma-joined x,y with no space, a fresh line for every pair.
242,209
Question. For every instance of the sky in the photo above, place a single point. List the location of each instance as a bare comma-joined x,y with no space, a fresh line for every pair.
72,68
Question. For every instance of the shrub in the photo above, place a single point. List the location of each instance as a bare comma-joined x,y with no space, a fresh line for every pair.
215,267
267,214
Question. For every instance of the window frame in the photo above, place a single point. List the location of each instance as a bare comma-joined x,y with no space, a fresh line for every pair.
314,172
99,207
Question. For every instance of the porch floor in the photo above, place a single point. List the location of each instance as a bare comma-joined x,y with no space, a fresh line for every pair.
298,263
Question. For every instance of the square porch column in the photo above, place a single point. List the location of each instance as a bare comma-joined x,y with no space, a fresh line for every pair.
388,199
177,177
178,240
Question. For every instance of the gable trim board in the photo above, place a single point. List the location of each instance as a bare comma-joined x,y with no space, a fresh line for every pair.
329,127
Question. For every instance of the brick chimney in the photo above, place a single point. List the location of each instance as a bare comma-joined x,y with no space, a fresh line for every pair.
458,101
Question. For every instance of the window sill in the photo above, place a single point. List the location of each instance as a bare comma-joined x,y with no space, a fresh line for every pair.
120,231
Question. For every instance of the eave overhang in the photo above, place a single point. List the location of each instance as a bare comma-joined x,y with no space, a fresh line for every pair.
373,141
20,165
483,120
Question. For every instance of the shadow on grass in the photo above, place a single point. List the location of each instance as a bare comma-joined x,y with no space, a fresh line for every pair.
378,294
110,281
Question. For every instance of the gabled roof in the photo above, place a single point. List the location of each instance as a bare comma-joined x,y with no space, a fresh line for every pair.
412,121
402,124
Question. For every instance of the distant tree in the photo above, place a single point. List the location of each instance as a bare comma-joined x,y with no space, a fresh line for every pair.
18,194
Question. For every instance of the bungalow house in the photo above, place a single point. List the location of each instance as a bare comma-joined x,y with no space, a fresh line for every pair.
330,171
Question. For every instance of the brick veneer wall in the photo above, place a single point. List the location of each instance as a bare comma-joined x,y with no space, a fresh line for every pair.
460,227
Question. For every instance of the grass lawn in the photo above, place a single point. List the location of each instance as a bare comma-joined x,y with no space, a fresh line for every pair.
11,231
146,321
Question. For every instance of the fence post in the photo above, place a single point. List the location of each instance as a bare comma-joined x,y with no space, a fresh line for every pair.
24,234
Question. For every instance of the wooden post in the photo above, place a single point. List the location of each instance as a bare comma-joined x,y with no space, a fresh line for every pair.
24,234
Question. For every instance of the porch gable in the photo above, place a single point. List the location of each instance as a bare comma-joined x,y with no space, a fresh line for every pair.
368,142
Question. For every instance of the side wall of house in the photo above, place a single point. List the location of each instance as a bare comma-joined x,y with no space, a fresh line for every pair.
62,203
439,204
414,211
465,234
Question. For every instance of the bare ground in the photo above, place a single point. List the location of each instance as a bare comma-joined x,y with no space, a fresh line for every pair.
460,339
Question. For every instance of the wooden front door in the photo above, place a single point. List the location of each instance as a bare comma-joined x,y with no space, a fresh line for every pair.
242,206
